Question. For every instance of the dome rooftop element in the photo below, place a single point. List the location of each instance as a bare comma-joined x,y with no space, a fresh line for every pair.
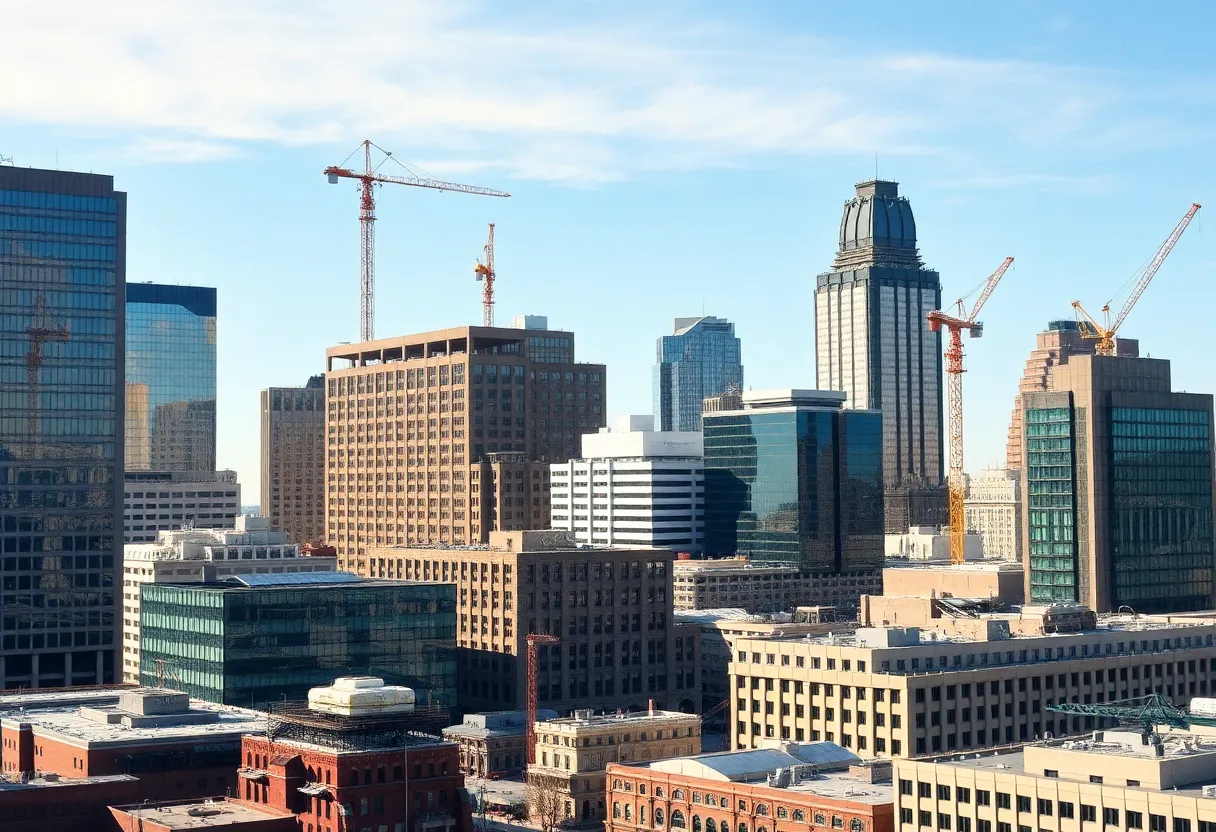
877,228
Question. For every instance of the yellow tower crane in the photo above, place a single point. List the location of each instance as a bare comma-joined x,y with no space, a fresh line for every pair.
954,374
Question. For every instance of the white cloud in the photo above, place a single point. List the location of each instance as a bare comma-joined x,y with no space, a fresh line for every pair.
581,103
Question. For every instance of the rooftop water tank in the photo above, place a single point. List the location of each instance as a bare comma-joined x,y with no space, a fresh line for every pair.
361,696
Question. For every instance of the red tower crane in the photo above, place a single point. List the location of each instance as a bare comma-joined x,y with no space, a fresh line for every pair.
530,730
368,179
485,272
954,374
43,327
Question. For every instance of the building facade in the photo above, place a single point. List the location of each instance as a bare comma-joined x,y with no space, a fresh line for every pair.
411,420
293,459
993,510
170,358
1054,346
204,556
158,501
609,606
633,486
1118,484
931,543
63,272
717,583
1112,780
872,341
797,787
903,692
701,358
255,638
793,479
573,755
1000,581
492,745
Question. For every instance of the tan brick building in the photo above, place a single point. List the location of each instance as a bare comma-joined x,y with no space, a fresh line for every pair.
414,422
611,607
720,583
1114,781
573,754
293,460
892,692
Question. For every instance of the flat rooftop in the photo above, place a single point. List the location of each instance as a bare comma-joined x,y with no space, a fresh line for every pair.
947,566
623,719
842,786
7,785
200,814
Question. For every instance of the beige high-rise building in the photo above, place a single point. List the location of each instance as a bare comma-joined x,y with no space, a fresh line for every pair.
610,607
293,460
414,422
993,510
1053,347
906,692
1114,780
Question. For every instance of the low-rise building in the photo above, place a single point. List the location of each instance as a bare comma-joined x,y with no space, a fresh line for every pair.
719,630
573,754
224,813
177,747
717,583
156,501
51,803
202,556
931,543
265,636
633,486
1112,780
493,744
998,581
797,787
357,755
993,510
902,692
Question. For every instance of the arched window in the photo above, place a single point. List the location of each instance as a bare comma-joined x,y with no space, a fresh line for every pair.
820,819
641,788
696,823
628,812
616,784
677,818
658,791
678,794
616,809
782,812
710,825
354,777
761,809
642,814
837,822
710,800
761,829
800,816
855,825
658,817
742,827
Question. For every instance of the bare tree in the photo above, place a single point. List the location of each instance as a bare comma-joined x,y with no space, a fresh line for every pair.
546,804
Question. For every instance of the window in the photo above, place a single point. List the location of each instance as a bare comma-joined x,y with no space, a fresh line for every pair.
1095,778
1023,803
962,794
1064,809
1088,813
925,789
1045,807
905,787
1135,820
963,824
983,797
982,825
943,792
1002,800
1156,823
943,821
1110,817
905,815
924,818
1182,825
677,818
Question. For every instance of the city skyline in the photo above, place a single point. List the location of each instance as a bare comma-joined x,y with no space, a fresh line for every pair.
1075,124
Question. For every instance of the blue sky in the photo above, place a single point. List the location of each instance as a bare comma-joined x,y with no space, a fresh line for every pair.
663,159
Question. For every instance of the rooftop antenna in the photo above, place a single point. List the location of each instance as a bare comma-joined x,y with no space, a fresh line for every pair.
875,165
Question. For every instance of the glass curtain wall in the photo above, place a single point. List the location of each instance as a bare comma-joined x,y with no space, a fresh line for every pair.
702,359
1051,502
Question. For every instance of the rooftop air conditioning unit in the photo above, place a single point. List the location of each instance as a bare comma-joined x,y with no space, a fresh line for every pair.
1209,791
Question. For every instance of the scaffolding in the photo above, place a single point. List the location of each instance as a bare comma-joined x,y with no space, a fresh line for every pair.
295,722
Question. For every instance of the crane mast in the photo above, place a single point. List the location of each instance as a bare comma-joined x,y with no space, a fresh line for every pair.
368,179
485,273
954,387
1104,333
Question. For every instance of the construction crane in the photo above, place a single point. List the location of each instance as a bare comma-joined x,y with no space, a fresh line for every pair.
1149,711
534,639
485,273
956,323
43,328
368,179
1104,333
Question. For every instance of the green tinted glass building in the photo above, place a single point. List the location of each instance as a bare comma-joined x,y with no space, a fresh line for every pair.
261,638
1118,488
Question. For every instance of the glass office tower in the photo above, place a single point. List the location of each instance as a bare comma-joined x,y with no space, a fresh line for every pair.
793,479
1118,483
62,270
170,400
702,358
260,637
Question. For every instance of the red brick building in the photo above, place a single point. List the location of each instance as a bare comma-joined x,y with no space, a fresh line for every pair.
172,816
177,748
62,804
337,772
806,787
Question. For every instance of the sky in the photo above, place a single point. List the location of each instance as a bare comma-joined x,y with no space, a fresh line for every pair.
663,160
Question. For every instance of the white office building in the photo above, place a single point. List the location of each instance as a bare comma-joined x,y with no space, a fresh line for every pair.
634,486
993,510
204,556
156,501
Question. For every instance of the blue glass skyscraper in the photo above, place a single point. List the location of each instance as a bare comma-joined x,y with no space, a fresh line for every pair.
701,358
170,378
794,479
62,272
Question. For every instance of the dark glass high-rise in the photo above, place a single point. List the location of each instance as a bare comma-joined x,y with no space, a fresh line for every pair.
62,276
170,394
702,358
